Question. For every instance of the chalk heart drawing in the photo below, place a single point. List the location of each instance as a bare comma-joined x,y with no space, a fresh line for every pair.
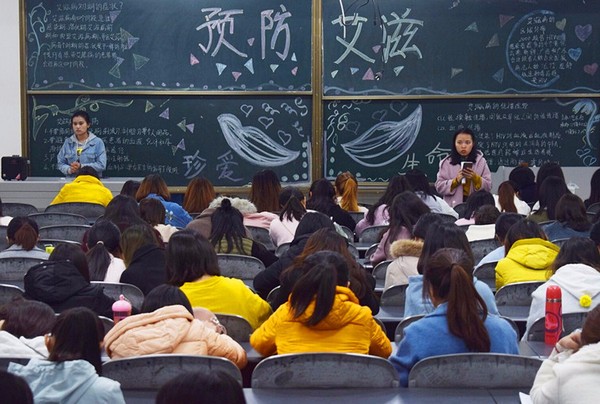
246,109
353,126
284,136
253,145
266,121
583,31
379,115
386,141
575,53
591,69
561,24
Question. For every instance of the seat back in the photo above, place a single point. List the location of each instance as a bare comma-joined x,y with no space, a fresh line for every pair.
237,327
273,294
13,269
357,216
461,208
446,218
394,296
9,292
131,292
372,234
150,372
380,270
14,209
370,251
55,218
107,323
70,232
481,248
593,208
487,274
281,249
399,333
91,211
261,235
571,322
3,239
349,233
475,370
46,242
5,360
238,266
559,242
516,294
353,251
324,371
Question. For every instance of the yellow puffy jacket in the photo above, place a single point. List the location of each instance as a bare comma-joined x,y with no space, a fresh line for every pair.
348,328
527,260
84,188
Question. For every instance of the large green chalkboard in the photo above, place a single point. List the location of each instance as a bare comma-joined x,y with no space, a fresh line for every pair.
440,47
223,138
192,45
376,139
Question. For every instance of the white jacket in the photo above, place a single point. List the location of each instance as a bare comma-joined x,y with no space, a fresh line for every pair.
522,206
22,347
569,378
574,280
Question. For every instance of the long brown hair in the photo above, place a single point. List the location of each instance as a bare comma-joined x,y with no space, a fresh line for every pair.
198,195
264,193
447,278
506,197
153,184
347,188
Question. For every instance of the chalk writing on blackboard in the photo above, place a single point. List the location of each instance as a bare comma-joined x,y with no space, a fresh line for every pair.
173,45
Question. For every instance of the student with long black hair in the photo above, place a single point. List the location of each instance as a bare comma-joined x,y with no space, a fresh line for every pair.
283,228
72,373
321,197
322,315
460,322
104,252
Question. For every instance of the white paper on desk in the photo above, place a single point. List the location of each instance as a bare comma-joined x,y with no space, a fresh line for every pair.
525,398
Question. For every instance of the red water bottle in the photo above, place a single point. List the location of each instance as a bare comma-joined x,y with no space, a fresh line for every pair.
553,315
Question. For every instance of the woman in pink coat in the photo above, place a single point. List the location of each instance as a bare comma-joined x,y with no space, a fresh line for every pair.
167,325
464,171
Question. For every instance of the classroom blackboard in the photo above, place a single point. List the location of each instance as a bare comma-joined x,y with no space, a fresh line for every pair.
200,45
377,139
223,138
450,47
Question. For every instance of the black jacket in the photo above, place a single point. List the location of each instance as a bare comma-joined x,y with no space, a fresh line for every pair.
60,285
147,269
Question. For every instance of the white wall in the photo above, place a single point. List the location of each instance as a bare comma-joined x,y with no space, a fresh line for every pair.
10,80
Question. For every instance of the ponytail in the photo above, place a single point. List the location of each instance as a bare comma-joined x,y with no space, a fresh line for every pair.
447,276
347,188
23,231
292,209
98,259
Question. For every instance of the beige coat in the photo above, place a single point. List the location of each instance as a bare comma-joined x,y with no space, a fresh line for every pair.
170,329
406,255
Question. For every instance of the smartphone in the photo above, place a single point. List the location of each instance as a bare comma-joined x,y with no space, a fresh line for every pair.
466,164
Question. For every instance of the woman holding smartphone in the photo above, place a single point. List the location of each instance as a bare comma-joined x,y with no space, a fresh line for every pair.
464,170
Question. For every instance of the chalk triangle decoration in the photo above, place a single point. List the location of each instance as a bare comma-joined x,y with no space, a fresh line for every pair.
190,127
353,70
504,19
119,60
398,69
165,114
181,144
132,41
334,73
472,27
139,61
149,106
193,59
369,75
295,70
376,48
249,65
115,72
499,76
294,59
273,67
181,125
125,35
174,149
494,41
455,71
113,15
250,41
236,75
220,67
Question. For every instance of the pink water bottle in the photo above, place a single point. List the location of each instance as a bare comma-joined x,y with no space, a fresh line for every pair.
553,323
121,309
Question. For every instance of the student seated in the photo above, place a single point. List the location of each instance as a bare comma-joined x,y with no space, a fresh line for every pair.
571,373
87,187
167,325
283,228
460,322
22,234
15,389
23,324
485,224
503,223
104,252
202,387
322,315
72,373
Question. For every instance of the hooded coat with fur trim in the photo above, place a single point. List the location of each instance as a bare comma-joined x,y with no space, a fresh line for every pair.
406,254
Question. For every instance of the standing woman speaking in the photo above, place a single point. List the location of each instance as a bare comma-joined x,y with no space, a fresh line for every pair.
464,171
83,148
